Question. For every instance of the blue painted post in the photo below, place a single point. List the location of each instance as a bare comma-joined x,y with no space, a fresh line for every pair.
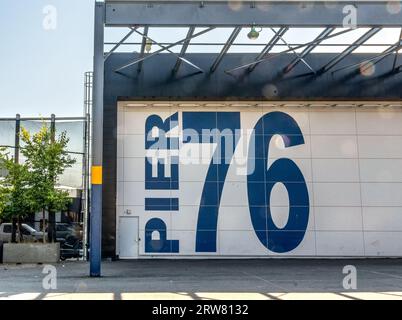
95,245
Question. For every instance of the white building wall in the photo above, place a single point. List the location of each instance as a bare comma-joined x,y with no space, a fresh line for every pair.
351,161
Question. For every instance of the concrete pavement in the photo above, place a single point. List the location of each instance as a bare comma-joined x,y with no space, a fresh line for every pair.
208,279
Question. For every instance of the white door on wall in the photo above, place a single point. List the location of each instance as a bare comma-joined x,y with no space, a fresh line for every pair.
128,237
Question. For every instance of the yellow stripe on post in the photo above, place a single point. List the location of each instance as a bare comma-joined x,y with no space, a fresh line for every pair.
97,175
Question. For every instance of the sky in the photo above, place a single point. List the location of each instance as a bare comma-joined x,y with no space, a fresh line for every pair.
42,62
47,46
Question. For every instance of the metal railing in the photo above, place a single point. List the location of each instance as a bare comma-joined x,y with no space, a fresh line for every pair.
88,85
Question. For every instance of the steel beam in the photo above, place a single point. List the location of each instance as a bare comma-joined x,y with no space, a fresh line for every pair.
162,49
268,47
349,50
264,14
295,52
95,251
254,44
183,49
264,59
386,53
380,57
119,43
309,48
396,55
225,48
142,51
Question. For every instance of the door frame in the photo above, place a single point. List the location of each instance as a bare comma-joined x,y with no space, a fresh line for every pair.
138,237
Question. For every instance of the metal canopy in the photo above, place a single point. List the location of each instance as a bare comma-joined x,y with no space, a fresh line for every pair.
282,18
275,46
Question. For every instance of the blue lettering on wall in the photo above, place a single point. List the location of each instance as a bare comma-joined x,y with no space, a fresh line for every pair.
261,182
157,227
221,129
156,168
161,173
161,204
160,140
224,128
162,180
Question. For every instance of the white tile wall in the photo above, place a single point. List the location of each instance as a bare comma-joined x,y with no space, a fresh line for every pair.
332,122
337,194
380,122
334,243
382,218
134,193
342,148
383,243
335,170
134,146
338,218
381,170
381,194
380,146
334,146
133,169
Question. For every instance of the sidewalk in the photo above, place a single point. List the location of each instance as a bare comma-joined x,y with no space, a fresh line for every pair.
208,279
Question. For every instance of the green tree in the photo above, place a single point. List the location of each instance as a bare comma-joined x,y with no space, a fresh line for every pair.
16,201
47,158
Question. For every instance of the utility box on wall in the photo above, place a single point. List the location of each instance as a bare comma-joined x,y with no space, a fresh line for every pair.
227,180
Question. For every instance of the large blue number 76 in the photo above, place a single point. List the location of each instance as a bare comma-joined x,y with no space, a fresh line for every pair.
260,180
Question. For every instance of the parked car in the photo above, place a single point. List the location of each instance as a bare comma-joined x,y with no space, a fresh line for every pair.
29,233
65,230
71,248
